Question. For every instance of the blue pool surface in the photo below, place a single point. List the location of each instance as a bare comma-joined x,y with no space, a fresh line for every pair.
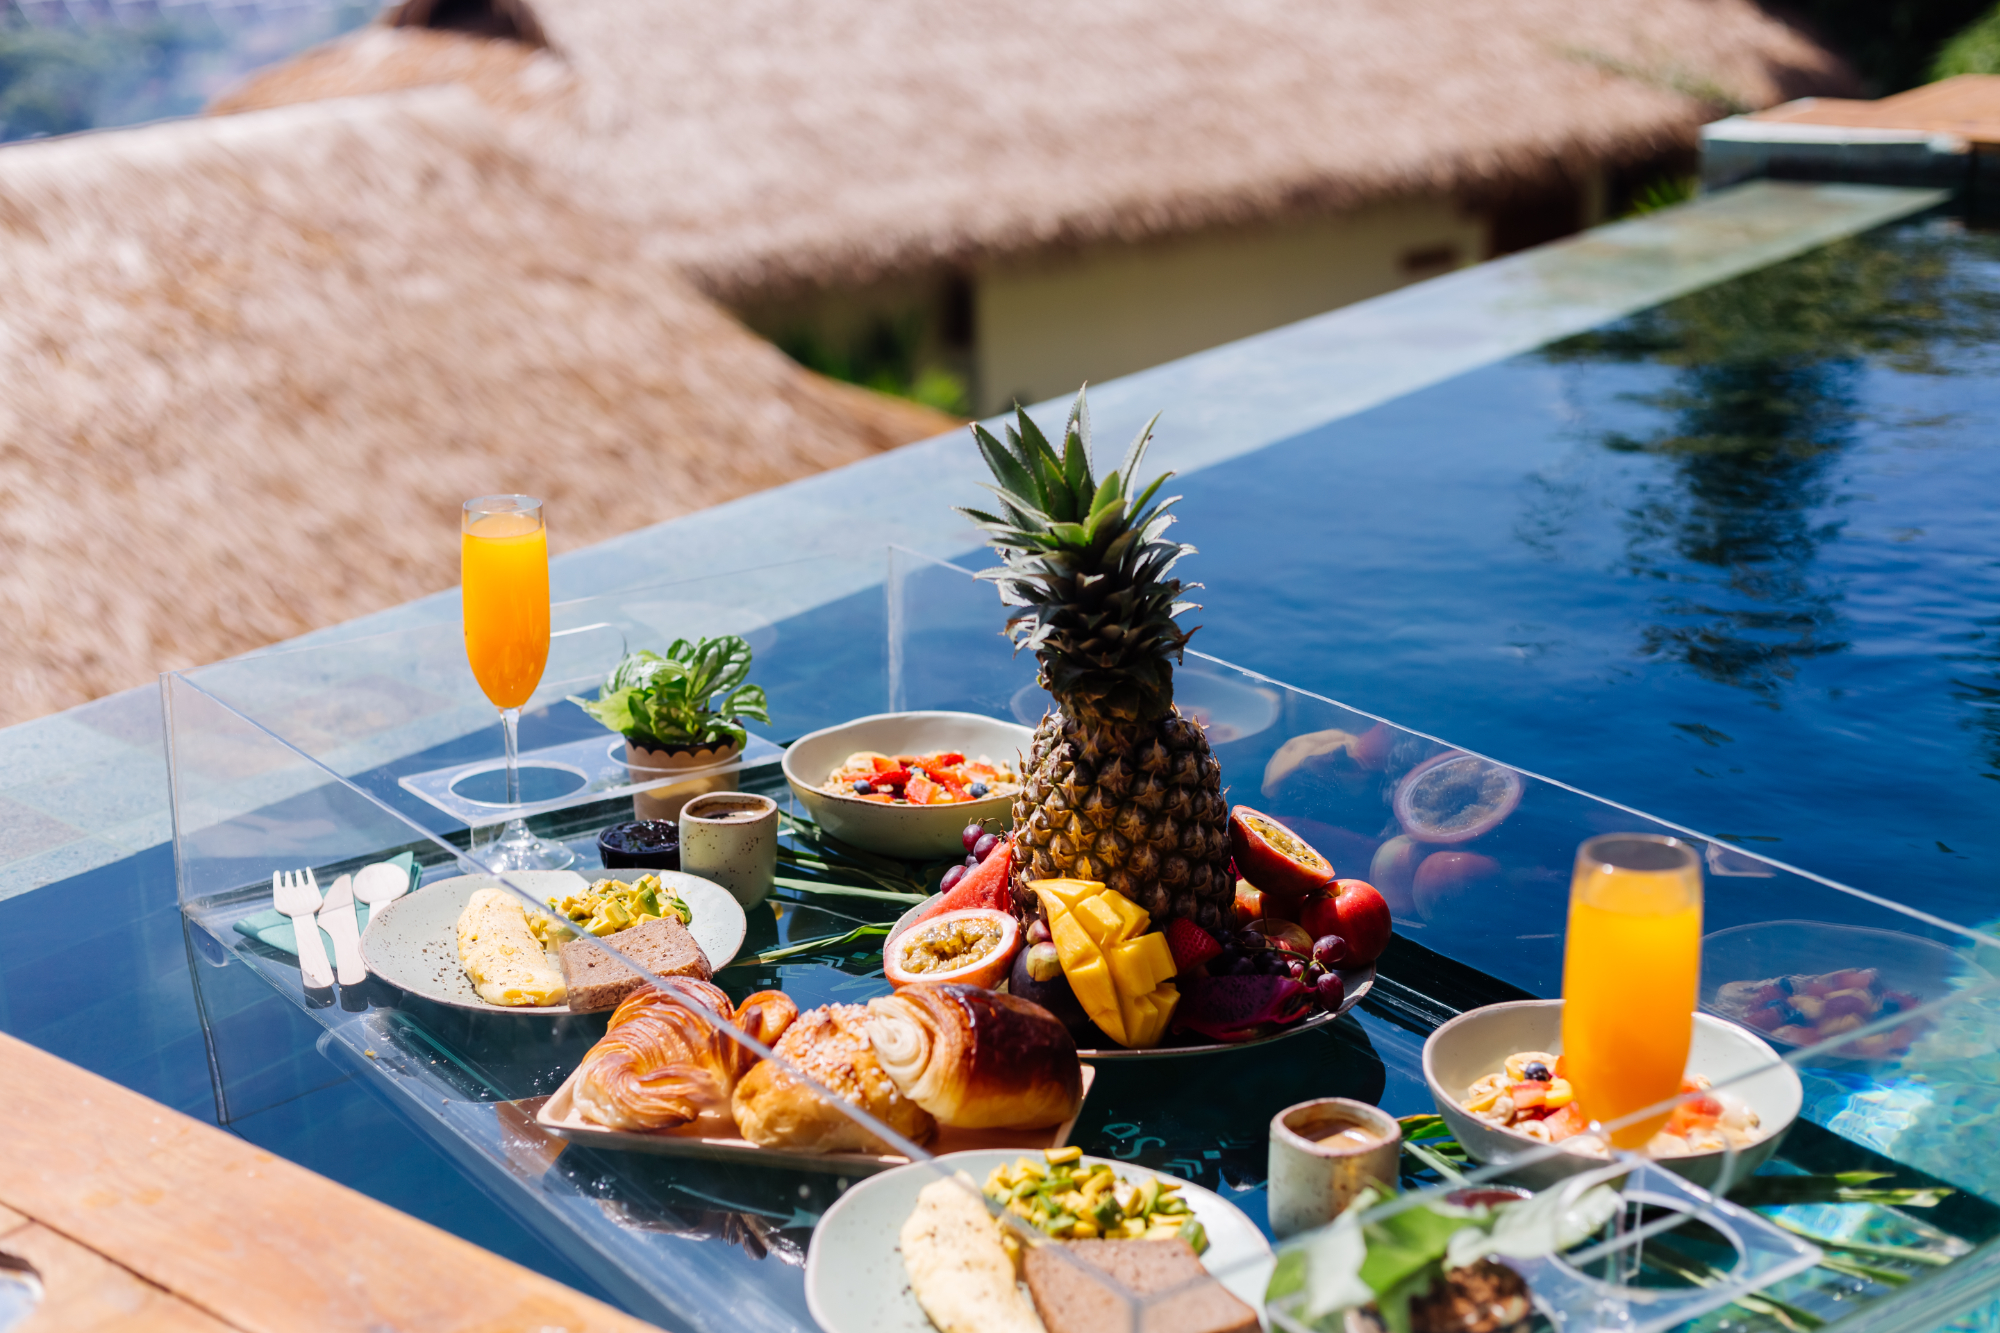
1733,562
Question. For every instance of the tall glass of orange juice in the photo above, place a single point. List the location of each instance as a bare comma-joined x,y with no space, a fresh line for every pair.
504,567
1631,971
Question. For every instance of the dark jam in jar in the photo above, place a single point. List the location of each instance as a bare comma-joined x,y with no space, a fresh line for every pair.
654,844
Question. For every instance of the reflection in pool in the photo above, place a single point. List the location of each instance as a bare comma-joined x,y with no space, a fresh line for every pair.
1731,561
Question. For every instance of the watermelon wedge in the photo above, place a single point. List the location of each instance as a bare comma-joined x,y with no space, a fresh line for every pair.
985,885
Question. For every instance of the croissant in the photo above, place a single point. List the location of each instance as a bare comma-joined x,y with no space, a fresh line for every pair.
665,1063
830,1046
975,1058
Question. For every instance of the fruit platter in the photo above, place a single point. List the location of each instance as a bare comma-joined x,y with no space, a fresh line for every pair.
1127,989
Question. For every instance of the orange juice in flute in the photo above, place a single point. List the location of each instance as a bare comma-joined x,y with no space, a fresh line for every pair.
1631,970
504,567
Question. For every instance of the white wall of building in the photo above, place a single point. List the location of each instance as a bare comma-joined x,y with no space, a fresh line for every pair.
1045,326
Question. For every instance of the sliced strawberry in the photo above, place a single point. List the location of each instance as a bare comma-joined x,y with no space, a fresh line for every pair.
920,790
1566,1122
1191,945
984,885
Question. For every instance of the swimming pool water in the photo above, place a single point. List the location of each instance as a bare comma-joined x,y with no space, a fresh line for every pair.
1732,561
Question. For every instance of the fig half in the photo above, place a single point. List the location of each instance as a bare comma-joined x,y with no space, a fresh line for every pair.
1274,858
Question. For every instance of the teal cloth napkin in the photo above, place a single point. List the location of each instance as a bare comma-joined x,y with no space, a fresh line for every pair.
275,929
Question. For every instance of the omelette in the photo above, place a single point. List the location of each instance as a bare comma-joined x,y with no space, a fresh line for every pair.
959,1270
502,956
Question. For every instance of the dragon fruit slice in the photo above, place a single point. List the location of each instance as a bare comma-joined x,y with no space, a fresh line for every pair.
1236,1008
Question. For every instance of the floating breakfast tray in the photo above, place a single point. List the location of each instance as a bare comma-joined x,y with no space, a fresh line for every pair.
598,761
559,1117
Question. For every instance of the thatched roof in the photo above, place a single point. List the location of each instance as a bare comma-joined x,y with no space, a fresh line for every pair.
772,142
249,368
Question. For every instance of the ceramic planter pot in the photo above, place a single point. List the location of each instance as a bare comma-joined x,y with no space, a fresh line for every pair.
666,800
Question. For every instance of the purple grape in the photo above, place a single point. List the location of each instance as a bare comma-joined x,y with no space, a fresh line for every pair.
1330,992
951,877
984,847
1298,971
971,835
1252,941
1331,951
970,860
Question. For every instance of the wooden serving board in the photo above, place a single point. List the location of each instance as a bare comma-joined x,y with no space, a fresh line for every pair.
559,1116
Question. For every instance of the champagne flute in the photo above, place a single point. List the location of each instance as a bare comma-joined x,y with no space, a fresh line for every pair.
504,566
1631,974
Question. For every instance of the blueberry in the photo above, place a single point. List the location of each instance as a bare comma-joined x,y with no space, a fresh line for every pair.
984,847
978,789
1536,1072
863,787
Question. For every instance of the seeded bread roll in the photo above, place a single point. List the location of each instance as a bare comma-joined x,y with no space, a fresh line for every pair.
830,1046
977,1059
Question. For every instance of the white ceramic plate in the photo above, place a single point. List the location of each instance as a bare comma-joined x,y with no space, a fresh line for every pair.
559,1117
911,832
413,942
855,1281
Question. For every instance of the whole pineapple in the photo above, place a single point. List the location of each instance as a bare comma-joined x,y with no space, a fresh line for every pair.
1119,786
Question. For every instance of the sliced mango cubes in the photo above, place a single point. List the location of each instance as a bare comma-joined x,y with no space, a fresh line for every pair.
1122,976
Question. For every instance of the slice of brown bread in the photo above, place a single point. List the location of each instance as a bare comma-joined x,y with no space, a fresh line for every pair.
1071,1298
596,980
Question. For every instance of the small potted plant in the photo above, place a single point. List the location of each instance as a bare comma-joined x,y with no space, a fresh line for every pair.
679,711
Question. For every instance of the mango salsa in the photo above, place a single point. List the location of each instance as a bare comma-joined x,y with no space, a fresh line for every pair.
1121,975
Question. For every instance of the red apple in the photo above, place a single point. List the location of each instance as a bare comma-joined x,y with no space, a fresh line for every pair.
1444,875
1353,910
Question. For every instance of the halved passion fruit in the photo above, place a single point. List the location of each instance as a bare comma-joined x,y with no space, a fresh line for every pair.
1456,797
1274,858
973,947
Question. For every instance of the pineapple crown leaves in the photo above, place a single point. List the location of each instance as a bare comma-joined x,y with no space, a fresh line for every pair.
1088,561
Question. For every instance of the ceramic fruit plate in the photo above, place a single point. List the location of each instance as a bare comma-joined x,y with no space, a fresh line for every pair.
413,942
910,832
855,1281
1477,1042
560,1118
1356,982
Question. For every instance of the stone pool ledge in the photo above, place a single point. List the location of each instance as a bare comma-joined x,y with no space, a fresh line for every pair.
87,787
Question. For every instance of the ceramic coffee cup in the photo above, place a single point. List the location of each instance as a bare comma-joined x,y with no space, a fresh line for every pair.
732,838
1325,1152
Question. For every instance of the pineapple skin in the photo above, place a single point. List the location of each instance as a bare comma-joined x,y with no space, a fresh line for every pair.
1135,805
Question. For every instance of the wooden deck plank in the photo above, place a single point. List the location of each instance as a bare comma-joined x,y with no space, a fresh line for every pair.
84,1292
259,1243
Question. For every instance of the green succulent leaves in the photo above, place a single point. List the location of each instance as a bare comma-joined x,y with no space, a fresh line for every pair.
693,695
1087,560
